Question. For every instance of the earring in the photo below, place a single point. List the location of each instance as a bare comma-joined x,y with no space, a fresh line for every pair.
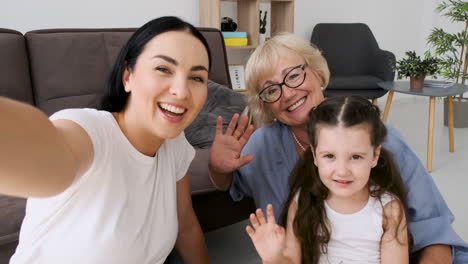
322,88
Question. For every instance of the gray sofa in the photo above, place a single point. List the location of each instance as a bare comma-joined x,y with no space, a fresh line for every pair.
67,68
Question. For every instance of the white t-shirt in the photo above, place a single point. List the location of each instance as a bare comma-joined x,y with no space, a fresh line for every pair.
122,210
355,238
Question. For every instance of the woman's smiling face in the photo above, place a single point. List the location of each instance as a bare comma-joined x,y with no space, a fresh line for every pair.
295,103
167,85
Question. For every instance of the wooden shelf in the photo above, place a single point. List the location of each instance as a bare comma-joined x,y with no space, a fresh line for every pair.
283,12
241,47
282,17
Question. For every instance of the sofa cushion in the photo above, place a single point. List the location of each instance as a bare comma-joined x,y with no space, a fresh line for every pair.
6,251
70,67
219,71
14,70
11,216
221,101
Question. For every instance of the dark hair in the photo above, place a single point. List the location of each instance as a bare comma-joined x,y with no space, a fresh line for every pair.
115,98
310,224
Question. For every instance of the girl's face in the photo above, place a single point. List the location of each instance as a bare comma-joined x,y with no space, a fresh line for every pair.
295,103
344,157
167,86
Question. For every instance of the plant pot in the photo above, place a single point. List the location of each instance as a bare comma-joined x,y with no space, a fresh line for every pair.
460,113
417,82
262,38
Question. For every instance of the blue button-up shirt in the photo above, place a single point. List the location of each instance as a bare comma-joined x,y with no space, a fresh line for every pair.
265,179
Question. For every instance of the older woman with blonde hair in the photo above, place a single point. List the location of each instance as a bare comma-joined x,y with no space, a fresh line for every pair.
263,62
285,78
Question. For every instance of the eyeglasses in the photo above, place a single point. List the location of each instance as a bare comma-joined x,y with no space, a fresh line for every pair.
293,79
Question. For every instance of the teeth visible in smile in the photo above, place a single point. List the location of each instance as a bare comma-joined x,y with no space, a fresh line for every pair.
296,105
172,109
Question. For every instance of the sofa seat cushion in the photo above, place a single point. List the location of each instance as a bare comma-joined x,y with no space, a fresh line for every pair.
356,82
12,211
14,82
70,68
221,101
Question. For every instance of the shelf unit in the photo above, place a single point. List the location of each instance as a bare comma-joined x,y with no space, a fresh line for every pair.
282,17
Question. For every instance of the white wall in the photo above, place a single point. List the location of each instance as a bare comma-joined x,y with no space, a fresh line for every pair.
398,25
26,15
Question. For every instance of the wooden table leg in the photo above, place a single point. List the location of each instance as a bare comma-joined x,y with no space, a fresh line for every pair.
387,106
430,133
450,122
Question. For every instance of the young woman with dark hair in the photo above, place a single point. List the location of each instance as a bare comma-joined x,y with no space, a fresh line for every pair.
110,186
116,97
347,201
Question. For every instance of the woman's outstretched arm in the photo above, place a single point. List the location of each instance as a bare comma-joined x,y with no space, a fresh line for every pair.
39,158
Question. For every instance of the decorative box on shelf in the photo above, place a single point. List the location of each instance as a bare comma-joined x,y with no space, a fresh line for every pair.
235,41
235,38
235,34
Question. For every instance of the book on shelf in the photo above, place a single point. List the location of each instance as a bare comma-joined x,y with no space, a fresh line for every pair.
437,84
229,34
235,41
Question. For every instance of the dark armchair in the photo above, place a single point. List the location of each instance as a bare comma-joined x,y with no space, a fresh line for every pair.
355,60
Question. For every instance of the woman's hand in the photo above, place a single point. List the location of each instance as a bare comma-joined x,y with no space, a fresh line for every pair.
268,238
226,149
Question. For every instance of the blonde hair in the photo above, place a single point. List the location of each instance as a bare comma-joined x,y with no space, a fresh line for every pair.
263,62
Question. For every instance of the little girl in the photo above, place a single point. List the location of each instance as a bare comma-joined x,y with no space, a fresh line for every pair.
346,202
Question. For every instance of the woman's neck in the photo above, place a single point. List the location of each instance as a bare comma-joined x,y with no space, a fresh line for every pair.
301,138
141,139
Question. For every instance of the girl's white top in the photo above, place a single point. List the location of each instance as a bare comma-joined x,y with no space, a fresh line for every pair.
355,238
122,210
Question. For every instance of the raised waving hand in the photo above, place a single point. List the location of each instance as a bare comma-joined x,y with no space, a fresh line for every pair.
268,238
226,149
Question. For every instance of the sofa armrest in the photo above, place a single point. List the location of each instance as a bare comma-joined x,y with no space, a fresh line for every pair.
200,182
12,210
214,209
384,61
7,239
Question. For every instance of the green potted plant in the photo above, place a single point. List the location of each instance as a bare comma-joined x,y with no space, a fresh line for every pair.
452,50
263,23
416,68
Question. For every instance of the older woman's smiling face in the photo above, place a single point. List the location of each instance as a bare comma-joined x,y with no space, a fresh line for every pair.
295,103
